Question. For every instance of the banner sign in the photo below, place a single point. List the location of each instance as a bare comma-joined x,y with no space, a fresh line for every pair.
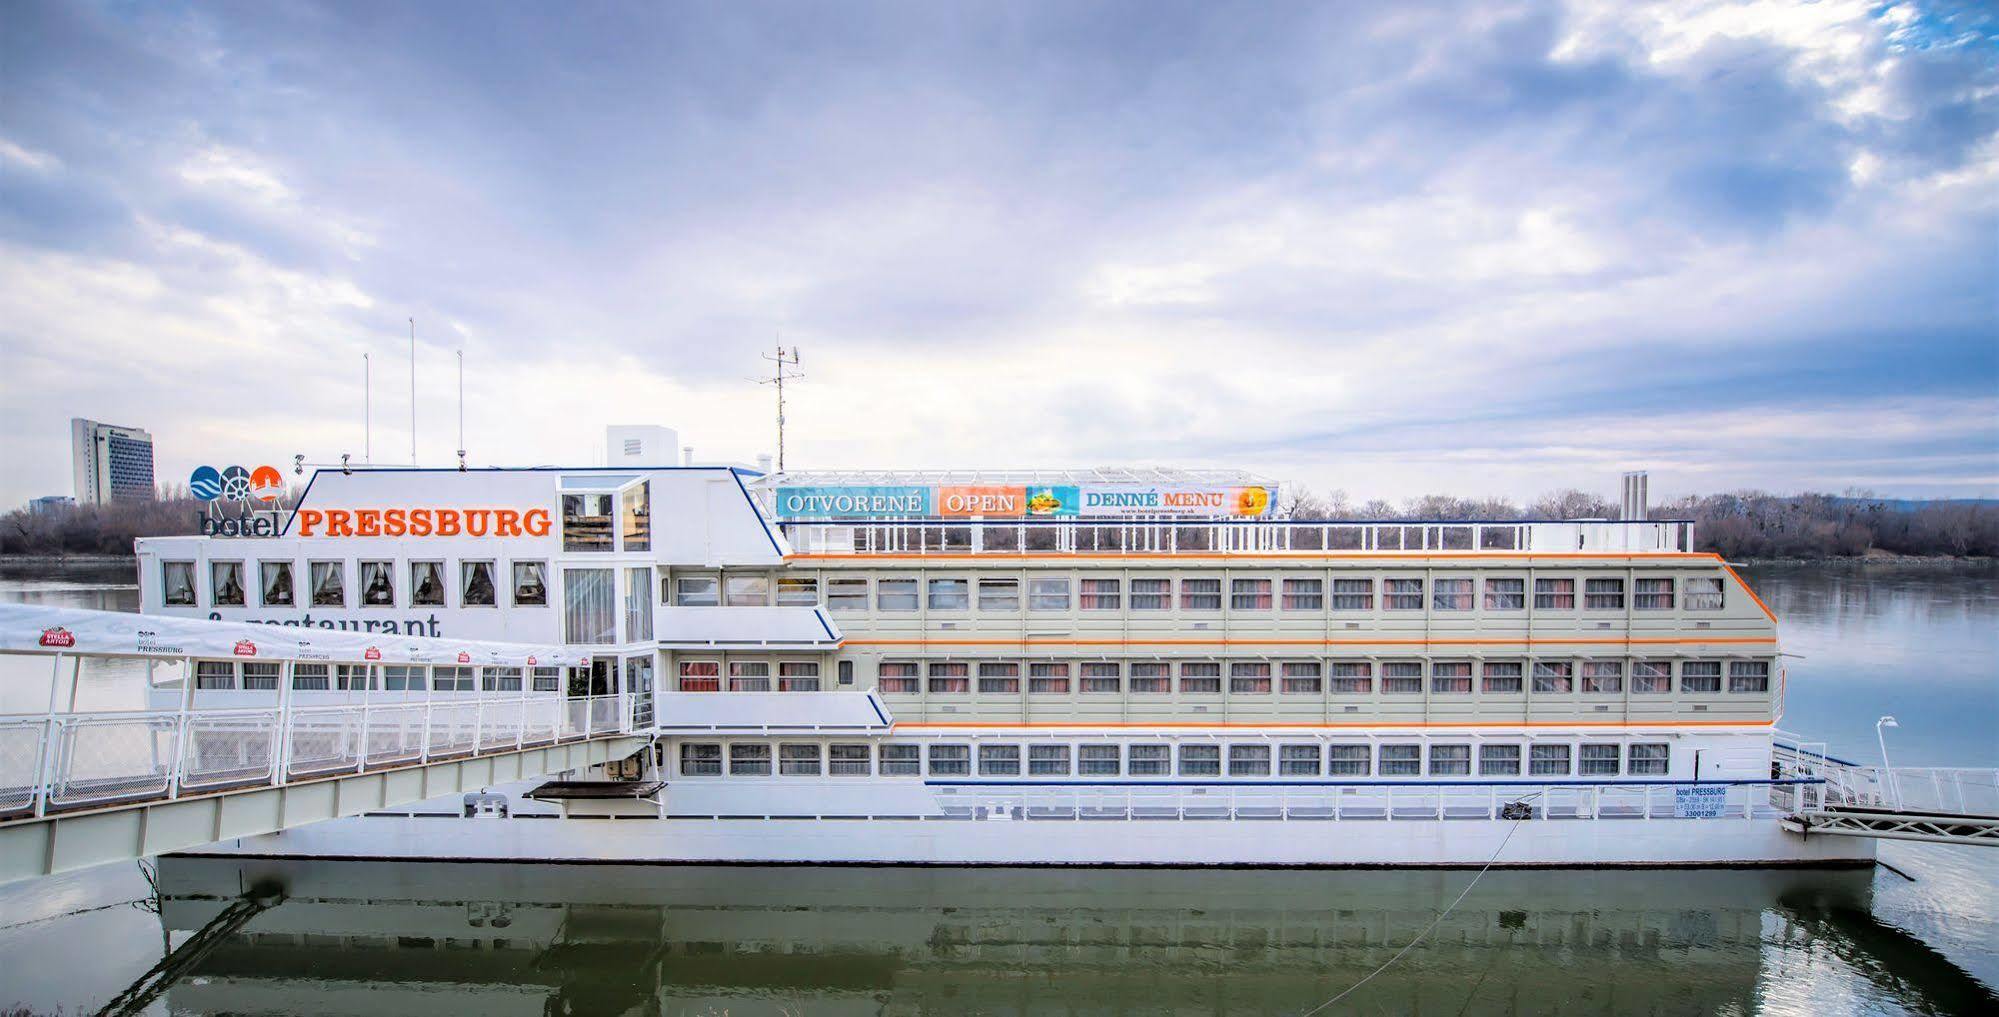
1699,801
1101,501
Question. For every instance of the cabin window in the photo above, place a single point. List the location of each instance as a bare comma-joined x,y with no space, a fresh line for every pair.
749,676
749,759
475,584
1402,594
1451,594
547,679
403,678
1303,678
1148,761
226,578
1652,676
1200,594
950,676
846,594
1353,594
1048,760
1554,594
214,674
1347,760
1548,760
1151,594
746,590
797,591
1599,760
635,516
1200,760
798,676
902,760
1450,760
697,591
999,760
1450,677
1500,677
260,677
999,679
798,759
1151,678
274,584
1652,595
530,584
1401,760
427,584
1554,676
999,594
895,594
452,678
1648,759
950,595
1099,595
1403,677
1703,593
897,678
378,584
586,522
1047,679
1499,760
700,759
1249,595
1097,760
1249,760
177,583
1048,594
847,760
1603,594
846,671
501,679
1603,676
1504,594
312,678
589,606
1249,678
1748,676
1352,678
1700,676
1101,677
1304,594
701,676
950,760
1298,760
1201,678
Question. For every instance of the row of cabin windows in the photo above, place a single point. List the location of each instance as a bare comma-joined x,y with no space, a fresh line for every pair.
755,675
902,594
326,584
265,676
1193,759
1315,677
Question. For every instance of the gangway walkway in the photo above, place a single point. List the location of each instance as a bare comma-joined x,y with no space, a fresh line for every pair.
1843,798
125,735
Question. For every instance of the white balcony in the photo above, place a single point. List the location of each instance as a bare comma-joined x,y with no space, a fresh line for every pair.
778,628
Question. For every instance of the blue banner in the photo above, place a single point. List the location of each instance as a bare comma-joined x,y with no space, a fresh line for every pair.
907,501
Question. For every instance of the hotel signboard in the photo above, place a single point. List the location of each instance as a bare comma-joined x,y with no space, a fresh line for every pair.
993,501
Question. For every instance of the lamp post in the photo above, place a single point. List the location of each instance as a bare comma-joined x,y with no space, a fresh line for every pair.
1887,773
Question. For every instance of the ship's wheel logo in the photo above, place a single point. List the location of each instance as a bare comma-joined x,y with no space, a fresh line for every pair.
236,484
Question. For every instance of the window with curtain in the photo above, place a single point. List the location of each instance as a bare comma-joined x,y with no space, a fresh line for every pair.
530,584
329,584
177,583
227,577
638,604
275,581
427,584
589,606
475,588
378,584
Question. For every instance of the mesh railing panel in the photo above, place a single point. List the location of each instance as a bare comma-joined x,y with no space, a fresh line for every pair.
575,717
544,721
20,754
454,728
324,741
499,725
603,714
105,759
230,749
395,734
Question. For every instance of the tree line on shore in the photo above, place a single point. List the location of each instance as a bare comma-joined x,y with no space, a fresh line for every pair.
1749,524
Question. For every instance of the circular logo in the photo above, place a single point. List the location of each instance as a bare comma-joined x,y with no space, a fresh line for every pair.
266,484
236,483
205,483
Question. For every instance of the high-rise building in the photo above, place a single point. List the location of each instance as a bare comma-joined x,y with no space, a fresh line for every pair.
111,463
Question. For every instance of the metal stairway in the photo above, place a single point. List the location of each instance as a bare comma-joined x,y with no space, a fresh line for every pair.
1939,805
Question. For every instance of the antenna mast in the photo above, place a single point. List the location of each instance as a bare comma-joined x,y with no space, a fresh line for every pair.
412,391
778,377
367,409
461,410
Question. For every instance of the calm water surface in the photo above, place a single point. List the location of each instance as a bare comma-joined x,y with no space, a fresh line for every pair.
381,938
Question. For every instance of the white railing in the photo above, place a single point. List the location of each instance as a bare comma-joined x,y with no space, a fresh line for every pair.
70,761
1207,537
1920,791
1750,799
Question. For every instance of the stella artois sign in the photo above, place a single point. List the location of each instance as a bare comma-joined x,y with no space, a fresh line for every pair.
58,636
245,648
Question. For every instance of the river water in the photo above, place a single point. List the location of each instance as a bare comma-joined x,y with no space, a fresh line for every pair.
1918,642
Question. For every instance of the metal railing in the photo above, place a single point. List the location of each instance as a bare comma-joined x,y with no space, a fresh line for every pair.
68,761
1223,537
1647,800
1912,790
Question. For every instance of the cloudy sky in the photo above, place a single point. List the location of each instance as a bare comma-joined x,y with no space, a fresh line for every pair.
1477,249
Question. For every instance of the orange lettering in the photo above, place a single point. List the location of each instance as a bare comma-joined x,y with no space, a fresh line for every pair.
419,522
368,523
447,522
394,523
535,521
476,521
337,524
506,523
307,519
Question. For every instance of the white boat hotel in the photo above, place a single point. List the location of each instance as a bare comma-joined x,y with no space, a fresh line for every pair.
1099,667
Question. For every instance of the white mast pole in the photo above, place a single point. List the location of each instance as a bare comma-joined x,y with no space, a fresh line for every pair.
412,391
367,409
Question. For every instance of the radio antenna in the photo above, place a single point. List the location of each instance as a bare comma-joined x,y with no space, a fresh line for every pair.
367,409
778,377
412,391
461,411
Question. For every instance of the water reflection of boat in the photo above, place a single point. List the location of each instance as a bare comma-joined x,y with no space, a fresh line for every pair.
361,937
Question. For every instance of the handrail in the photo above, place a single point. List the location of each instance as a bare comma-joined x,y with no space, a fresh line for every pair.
1078,535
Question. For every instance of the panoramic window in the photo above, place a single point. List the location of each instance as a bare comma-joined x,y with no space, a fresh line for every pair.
1304,594
1554,594
530,584
999,679
177,583
1402,594
1500,677
427,584
378,584
1352,678
1353,594
948,594
1099,595
1151,594
635,516
1302,678
1048,594
1700,676
475,584
1200,594
586,522
897,678
226,583
1703,593
1201,678
1451,594
1249,595
1652,595
999,594
274,583
1504,594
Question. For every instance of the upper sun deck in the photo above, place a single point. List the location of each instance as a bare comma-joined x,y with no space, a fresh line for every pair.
1223,537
